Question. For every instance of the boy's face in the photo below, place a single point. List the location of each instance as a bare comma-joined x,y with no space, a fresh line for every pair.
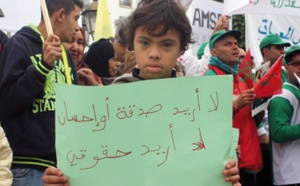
156,56
69,24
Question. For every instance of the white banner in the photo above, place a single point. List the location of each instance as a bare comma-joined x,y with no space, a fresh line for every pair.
285,7
204,16
258,26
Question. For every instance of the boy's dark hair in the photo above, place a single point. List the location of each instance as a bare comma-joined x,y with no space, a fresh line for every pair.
68,5
152,14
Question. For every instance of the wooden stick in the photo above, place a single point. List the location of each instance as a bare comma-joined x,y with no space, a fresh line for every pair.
46,17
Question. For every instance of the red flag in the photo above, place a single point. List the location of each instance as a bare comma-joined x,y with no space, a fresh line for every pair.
271,82
245,70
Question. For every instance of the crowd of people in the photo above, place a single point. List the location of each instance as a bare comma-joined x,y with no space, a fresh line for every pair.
149,44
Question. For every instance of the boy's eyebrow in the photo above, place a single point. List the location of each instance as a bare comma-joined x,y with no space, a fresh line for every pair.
163,40
169,40
143,37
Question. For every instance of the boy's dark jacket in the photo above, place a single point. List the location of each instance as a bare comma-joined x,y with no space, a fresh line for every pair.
27,98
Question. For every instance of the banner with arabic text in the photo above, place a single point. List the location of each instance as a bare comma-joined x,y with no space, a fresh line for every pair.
175,131
259,26
277,7
203,18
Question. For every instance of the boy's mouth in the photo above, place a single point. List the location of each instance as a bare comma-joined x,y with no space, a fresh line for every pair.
153,68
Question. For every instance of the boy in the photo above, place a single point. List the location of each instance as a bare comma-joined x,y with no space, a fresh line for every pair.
159,32
224,61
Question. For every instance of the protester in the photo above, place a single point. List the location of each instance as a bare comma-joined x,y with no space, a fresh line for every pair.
124,60
284,120
76,48
198,67
159,32
271,47
242,54
224,61
98,57
110,60
32,62
123,56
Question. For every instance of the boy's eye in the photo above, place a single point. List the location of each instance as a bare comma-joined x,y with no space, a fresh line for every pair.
143,42
167,44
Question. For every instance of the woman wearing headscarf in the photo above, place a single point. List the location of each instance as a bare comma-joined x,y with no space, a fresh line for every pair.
76,49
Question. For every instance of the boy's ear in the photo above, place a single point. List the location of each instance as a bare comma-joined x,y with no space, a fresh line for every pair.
60,14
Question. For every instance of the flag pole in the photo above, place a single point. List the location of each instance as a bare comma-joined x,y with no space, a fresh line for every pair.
46,17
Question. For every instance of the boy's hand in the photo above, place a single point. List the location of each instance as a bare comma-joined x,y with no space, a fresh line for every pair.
231,173
52,49
54,177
